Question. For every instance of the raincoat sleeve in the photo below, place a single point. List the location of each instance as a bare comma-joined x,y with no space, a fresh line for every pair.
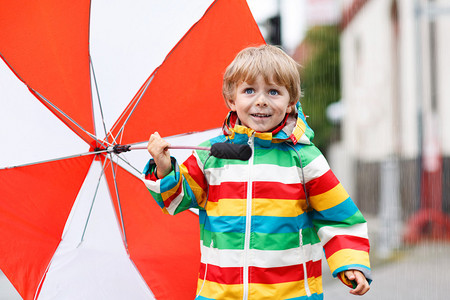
340,225
183,188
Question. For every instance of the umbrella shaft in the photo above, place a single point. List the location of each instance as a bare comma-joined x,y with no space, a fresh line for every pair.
174,147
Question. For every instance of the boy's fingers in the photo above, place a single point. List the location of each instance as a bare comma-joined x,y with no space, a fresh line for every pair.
350,275
154,135
362,284
156,145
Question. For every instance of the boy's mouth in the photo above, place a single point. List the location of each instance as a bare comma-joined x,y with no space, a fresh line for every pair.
260,115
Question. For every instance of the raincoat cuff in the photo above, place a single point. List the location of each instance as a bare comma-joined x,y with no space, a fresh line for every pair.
150,171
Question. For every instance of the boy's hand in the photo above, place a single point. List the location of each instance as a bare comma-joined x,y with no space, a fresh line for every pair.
362,286
159,150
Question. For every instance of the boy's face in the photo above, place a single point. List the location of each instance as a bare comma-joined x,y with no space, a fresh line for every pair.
261,106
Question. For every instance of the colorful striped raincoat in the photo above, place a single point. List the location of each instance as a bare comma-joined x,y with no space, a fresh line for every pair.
262,236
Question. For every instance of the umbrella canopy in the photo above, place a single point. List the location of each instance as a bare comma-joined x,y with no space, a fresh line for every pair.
75,78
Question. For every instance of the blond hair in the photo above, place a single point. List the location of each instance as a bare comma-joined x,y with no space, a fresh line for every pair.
269,61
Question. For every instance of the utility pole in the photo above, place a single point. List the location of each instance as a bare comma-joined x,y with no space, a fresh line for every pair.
274,27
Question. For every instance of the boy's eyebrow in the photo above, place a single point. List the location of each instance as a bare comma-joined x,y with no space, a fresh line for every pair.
270,84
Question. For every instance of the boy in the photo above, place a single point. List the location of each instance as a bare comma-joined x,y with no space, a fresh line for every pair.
264,222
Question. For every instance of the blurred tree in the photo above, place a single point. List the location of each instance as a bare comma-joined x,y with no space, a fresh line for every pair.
320,76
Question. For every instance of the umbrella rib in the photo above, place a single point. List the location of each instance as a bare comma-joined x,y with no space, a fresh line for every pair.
137,102
50,103
55,159
65,115
92,204
118,201
12,69
98,98
129,164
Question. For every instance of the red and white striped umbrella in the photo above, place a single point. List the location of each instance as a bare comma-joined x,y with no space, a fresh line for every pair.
77,77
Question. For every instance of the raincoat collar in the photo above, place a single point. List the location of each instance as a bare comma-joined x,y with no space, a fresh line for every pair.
294,128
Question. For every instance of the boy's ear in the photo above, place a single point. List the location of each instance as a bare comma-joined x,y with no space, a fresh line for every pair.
231,104
290,108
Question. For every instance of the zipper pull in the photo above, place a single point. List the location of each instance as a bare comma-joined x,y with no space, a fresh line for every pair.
251,140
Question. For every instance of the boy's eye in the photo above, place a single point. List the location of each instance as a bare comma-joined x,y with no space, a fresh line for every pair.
249,91
273,92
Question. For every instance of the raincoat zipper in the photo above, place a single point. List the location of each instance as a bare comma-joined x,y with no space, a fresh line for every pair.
208,258
305,272
248,217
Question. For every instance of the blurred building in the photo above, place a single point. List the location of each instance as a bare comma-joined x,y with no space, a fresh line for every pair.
322,12
396,101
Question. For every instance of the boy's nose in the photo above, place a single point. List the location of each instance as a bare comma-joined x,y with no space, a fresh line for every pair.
261,100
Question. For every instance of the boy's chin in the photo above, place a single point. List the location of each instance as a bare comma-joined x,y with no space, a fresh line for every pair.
263,128
267,127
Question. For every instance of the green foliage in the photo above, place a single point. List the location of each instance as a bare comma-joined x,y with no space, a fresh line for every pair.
320,77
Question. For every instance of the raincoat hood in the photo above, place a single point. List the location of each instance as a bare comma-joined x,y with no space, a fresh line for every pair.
293,128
